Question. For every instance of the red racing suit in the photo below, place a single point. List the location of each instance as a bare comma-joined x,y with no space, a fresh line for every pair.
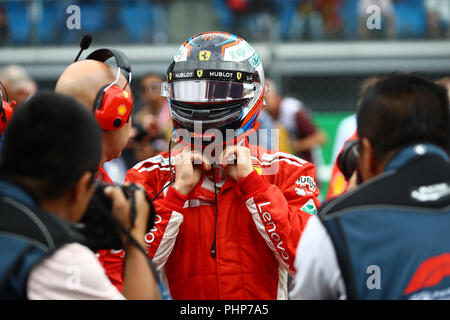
258,226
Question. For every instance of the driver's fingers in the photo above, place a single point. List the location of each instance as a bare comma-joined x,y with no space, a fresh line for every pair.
229,155
200,159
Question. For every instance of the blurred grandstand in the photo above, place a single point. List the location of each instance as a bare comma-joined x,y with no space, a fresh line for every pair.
316,50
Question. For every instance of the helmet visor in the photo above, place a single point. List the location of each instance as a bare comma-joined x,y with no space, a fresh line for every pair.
208,90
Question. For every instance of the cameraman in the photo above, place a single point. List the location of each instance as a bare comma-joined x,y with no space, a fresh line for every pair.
390,237
51,152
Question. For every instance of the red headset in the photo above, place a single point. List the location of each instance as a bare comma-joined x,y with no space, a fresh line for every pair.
113,104
6,110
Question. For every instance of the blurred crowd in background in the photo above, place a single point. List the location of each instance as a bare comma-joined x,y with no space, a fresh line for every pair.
160,21
299,106
152,125
296,123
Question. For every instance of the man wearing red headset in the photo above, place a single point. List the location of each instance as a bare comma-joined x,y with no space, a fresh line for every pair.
224,229
106,92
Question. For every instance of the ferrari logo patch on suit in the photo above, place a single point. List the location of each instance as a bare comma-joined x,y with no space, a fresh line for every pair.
199,73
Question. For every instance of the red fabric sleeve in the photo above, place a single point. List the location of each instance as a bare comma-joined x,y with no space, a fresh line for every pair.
161,239
168,217
281,211
111,260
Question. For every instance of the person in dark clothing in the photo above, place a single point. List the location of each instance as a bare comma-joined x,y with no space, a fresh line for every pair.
390,237
51,151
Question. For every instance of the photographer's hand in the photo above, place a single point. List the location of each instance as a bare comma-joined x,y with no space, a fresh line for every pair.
139,282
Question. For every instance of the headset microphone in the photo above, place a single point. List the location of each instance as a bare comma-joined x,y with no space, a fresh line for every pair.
84,44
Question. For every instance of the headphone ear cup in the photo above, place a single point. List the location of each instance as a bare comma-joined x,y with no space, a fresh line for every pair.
112,108
98,106
347,159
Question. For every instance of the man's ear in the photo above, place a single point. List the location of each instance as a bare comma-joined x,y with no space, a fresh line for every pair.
82,186
369,165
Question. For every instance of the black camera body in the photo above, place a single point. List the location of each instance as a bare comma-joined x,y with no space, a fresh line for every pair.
100,228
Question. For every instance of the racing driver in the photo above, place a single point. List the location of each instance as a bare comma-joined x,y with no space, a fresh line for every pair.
229,213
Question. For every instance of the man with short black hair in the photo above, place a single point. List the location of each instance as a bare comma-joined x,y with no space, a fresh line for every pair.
390,237
52,148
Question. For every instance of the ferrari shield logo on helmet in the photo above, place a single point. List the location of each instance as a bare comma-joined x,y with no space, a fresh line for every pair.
199,73
204,55
239,75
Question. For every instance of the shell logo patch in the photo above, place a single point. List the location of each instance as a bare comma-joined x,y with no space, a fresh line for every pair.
122,110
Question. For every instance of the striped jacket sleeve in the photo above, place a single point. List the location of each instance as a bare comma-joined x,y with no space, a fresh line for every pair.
281,209
161,238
